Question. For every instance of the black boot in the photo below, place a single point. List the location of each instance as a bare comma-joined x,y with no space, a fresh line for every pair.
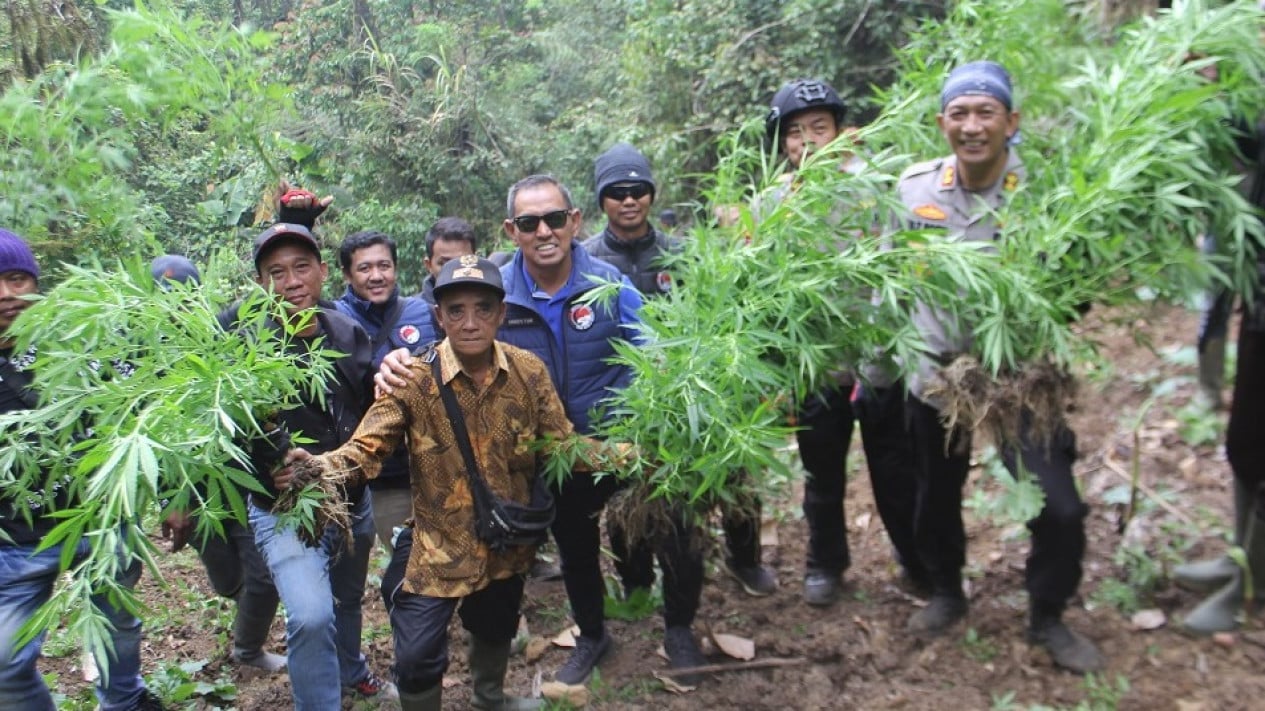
683,653
1068,648
943,610
946,606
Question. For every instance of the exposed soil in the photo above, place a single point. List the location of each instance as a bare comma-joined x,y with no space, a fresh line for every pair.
855,654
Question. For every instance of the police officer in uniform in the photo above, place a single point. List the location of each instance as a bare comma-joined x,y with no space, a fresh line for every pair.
959,194
808,113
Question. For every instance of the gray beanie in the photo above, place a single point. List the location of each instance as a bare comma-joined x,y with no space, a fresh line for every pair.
621,163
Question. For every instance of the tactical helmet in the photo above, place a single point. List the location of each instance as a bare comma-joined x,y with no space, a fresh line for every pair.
797,96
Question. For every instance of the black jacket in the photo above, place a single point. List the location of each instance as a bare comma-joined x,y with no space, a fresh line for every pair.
347,396
640,260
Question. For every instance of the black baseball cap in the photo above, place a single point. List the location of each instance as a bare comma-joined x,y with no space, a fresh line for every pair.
469,269
282,231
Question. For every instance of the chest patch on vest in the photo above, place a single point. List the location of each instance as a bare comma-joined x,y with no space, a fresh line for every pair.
410,334
929,212
664,281
582,317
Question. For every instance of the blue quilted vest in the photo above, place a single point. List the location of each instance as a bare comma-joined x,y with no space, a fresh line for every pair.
579,369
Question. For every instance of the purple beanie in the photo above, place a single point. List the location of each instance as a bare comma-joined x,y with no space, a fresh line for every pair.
16,256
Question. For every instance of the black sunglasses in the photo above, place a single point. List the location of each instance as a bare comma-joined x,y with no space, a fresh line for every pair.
556,220
620,193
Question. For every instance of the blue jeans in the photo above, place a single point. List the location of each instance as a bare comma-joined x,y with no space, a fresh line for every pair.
322,589
26,582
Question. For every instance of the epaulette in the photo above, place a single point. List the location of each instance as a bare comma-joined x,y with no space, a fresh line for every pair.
922,168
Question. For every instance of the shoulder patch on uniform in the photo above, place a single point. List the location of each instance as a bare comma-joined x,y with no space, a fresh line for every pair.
930,212
922,168
1011,181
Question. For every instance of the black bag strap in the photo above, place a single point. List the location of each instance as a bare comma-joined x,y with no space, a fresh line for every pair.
458,423
388,323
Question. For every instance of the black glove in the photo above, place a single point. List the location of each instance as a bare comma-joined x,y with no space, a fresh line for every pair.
301,207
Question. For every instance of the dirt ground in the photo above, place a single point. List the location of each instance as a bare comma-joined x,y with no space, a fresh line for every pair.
855,654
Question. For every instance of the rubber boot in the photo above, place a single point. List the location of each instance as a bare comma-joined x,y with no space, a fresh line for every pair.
1212,372
1068,648
250,633
488,662
1220,611
1208,575
430,700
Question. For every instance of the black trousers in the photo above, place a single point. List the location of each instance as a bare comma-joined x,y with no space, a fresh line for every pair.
741,523
826,425
893,465
419,623
827,420
575,528
1244,443
1053,570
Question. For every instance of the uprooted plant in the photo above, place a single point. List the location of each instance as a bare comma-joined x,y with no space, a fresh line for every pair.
143,402
1117,145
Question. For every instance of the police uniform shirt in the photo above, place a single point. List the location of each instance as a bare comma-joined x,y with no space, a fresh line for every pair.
935,199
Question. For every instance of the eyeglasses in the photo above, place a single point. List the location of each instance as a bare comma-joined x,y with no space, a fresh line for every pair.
556,220
620,193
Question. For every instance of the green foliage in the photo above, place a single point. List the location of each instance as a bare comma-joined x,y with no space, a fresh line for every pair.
1018,500
1127,149
1199,425
641,604
769,309
981,649
1101,694
143,400
177,683
71,131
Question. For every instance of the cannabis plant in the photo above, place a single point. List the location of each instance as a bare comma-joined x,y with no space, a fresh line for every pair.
1129,155
143,403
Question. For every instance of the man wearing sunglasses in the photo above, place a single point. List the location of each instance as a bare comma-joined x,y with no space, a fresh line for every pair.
544,284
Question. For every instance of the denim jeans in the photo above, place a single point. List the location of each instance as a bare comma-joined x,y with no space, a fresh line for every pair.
26,582
322,589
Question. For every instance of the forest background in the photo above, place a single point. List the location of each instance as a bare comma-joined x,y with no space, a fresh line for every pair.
140,129
163,126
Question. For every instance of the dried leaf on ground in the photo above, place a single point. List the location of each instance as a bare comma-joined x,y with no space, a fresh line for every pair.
566,638
735,646
768,532
557,691
673,685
